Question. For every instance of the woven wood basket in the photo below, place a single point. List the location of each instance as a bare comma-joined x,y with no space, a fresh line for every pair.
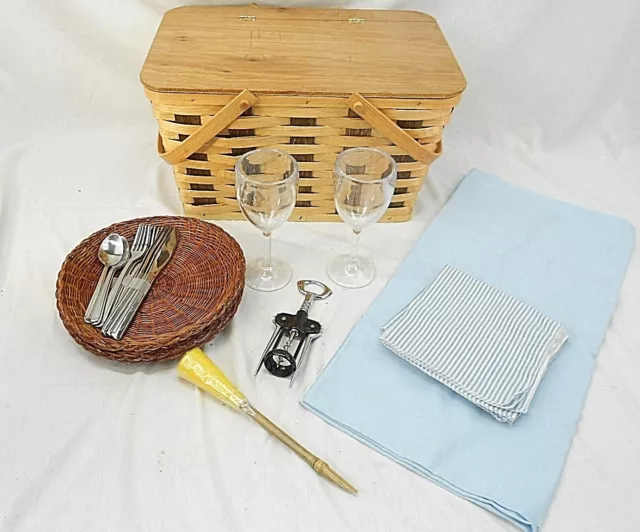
227,80
191,301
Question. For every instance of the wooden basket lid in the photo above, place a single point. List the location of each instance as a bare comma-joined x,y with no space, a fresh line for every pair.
291,51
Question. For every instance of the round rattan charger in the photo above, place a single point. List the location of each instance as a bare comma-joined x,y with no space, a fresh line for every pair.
191,301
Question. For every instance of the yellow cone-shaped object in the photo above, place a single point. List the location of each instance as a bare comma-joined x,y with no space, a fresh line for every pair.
198,369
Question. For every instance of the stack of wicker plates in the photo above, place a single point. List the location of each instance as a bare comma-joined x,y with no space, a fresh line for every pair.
191,301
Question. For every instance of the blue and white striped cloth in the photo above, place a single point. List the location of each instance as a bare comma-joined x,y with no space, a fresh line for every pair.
487,346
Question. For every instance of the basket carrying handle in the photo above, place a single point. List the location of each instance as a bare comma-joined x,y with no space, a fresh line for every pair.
377,120
205,133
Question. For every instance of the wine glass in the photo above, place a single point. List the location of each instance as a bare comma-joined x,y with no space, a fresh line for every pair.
364,181
266,187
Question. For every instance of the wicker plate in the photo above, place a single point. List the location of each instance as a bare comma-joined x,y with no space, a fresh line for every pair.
191,301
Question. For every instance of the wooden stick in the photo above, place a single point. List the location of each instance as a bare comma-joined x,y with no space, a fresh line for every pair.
318,465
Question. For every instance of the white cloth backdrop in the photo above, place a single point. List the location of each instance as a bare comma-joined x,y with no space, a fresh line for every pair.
85,445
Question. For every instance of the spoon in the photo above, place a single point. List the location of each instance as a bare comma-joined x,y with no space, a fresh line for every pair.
113,253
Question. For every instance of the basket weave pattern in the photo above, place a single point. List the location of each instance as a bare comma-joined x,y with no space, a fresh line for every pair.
191,301
312,129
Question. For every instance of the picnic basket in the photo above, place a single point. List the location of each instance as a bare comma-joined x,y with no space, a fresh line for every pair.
312,82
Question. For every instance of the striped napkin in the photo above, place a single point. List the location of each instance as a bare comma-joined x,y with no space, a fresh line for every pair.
485,345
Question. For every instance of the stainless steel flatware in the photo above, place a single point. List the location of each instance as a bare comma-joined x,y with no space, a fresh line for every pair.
116,301
113,253
145,235
124,298
153,240
137,288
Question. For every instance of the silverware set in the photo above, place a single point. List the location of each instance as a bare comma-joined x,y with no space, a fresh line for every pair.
127,276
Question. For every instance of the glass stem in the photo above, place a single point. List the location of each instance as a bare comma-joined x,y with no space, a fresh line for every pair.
352,263
355,240
267,251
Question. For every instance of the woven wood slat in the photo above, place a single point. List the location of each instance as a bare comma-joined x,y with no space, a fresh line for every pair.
315,135
314,130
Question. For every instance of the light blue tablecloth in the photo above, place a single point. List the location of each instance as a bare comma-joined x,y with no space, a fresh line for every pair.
567,262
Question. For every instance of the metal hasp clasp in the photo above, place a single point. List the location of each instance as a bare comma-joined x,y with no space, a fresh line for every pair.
293,335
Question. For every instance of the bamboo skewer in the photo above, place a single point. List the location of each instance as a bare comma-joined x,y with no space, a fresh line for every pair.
198,369
318,465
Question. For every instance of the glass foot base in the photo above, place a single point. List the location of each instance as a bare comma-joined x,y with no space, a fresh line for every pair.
351,272
270,279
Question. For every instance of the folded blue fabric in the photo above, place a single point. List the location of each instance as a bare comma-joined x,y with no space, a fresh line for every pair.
567,262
